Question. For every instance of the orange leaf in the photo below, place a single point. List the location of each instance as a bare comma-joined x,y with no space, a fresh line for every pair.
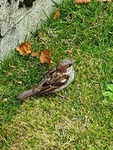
57,14
45,56
34,54
24,48
81,1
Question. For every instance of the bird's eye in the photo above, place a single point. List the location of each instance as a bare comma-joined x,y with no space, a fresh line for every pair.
69,65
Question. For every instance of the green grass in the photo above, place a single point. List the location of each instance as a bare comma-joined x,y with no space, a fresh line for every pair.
83,122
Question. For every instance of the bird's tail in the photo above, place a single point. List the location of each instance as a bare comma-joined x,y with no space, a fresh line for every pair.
25,94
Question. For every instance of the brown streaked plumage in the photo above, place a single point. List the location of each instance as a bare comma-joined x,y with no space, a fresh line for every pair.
55,80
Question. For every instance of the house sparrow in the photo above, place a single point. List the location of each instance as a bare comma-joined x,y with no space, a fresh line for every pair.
55,80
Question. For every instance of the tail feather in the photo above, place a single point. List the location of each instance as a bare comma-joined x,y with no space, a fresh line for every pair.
25,94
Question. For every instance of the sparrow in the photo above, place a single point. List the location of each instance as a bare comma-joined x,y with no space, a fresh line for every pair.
54,80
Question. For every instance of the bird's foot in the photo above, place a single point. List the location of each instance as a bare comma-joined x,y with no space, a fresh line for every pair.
61,96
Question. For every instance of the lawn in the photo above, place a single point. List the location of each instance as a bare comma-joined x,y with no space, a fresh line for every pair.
84,121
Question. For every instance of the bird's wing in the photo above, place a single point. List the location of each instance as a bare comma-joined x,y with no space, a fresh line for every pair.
51,82
54,84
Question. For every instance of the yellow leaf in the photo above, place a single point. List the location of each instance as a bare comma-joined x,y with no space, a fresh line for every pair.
24,48
57,14
45,56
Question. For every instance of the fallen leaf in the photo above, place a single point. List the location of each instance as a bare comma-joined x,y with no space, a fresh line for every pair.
24,48
19,82
81,1
34,54
10,73
45,56
57,14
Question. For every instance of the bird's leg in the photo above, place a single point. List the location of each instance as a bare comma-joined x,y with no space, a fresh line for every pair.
61,96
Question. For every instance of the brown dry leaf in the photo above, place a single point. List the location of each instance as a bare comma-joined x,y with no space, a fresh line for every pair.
45,56
34,54
10,73
81,1
24,48
57,14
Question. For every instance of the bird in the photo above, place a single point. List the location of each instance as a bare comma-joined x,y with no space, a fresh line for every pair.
53,81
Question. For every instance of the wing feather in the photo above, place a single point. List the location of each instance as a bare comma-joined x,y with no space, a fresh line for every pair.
49,87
